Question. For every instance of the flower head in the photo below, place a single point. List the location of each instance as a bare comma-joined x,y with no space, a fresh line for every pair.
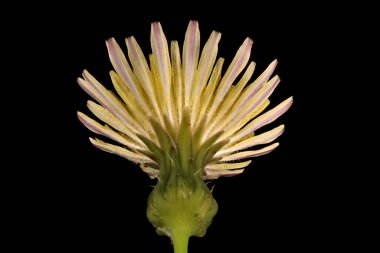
183,121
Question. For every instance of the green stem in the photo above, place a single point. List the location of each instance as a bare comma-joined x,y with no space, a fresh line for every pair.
180,241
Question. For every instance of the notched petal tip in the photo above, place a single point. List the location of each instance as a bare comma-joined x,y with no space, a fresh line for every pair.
110,41
156,27
193,23
129,39
156,23
217,33
249,41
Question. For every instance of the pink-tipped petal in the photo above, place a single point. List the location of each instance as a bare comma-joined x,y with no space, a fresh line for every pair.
250,154
161,56
250,98
190,58
264,119
221,120
120,64
134,157
263,138
107,132
238,63
258,83
110,102
256,101
206,63
108,118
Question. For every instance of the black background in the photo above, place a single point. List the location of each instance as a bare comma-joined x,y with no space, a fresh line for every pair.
77,197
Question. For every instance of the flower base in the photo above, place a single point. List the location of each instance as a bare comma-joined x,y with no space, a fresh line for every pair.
181,208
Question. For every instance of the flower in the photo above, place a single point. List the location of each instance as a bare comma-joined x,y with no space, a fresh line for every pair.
183,121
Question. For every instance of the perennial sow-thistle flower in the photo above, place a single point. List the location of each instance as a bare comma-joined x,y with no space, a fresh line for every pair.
183,121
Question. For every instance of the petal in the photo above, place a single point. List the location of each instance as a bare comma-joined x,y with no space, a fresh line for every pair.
264,119
263,138
139,64
135,110
177,84
190,56
106,117
211,175
206,63
237,126
227,166
226,105
238,63
184,141
109,101
134,157
106,131
120,64
152,173
109,119
257,84
103,96
161,54
245,104
207,97
251,153
162,61
256,101
142,72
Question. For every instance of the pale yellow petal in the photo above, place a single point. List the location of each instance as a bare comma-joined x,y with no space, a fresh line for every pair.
212,175
106,99
107,132
177,84
255,102
190,56
162,61
264,119
120,64
123,152
143,73
217,123
237,126
206,63
208,95
152,173
257,84
135,110
227,166
263,138
250,154
237,65
109,119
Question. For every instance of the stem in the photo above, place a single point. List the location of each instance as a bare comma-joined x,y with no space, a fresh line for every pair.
180,239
